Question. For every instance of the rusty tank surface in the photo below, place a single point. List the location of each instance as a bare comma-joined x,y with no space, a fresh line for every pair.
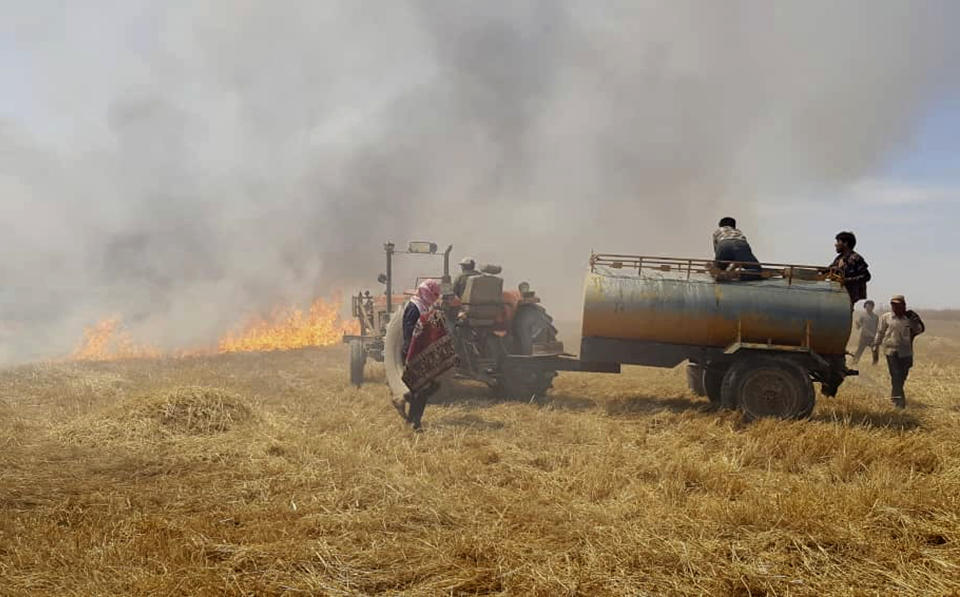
755,337
699,310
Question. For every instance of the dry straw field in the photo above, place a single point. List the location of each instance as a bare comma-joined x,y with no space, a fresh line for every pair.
267,474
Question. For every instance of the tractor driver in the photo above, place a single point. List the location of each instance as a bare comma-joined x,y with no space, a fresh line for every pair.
468,269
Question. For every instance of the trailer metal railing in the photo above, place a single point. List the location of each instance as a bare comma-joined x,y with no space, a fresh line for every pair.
733,270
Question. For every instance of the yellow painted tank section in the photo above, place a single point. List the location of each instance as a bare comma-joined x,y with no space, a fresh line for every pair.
703,312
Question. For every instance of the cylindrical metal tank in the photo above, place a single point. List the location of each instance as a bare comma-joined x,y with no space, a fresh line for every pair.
703,312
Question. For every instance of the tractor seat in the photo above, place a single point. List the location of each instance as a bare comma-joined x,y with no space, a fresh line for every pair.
483,297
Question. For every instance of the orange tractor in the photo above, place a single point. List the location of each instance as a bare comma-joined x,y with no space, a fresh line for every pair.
504,338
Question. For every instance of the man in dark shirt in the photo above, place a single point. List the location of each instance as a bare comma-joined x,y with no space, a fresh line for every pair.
851,266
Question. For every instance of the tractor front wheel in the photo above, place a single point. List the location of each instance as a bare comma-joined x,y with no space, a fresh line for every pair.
358,358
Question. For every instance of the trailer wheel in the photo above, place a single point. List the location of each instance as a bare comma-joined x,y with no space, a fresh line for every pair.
712,383
358,358
695,379
767,386
531,325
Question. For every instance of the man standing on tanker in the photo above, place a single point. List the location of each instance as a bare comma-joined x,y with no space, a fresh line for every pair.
849,264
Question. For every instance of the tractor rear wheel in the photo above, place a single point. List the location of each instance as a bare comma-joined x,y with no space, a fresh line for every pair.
531,326
358,358
768,386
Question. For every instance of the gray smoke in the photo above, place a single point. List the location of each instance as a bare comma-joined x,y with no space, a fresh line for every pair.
183,164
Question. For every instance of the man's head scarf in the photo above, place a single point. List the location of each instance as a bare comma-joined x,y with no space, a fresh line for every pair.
427,293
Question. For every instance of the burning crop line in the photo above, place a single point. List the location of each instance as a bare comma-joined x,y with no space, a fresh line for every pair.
290,328
284,329
107,340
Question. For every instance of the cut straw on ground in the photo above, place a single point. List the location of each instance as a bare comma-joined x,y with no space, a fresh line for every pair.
269,474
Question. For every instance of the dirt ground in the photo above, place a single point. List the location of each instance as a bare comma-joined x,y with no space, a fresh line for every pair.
268,474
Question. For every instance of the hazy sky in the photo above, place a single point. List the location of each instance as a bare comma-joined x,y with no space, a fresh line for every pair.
183,163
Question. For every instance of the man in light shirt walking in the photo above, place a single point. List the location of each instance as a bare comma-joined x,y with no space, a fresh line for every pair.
866,324
898,328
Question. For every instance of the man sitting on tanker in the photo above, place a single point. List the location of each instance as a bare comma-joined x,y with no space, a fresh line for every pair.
468,269
849,264
730,246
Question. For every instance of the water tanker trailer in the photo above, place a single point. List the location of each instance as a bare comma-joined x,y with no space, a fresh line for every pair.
756,341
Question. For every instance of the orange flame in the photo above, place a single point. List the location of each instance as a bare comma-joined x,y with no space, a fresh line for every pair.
107,341
285,329
290,328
